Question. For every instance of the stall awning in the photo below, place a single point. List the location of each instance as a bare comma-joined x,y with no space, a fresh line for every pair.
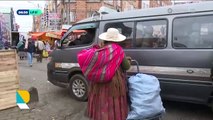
79,31
64,30
61,33
36,35
53,35
56,34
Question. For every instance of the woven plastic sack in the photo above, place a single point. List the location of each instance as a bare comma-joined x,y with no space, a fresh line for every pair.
144,93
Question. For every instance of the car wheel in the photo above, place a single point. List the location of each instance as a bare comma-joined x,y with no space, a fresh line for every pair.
78,87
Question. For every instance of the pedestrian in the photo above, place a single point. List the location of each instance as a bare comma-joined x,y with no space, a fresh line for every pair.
45,52
30,48
39,49
6,45
48,47
106,100
56,43
20,49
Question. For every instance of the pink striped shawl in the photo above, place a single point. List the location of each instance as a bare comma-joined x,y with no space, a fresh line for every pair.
100,64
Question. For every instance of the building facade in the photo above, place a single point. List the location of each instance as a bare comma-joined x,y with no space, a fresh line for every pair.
158,3
9,15
7,25
71,11
176,2
74,10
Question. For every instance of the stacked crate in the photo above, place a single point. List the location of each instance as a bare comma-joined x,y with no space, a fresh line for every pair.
9,78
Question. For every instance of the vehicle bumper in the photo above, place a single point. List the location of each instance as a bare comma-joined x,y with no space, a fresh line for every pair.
57,77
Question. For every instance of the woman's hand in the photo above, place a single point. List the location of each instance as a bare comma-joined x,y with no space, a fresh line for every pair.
129,58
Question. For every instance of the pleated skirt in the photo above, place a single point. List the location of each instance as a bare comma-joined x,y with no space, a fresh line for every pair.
108,101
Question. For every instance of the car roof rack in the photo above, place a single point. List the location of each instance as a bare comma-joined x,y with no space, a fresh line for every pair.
97,15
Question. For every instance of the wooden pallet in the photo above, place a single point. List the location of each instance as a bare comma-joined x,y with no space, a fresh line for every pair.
9,78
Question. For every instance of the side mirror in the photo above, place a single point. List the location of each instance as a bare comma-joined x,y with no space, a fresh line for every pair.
59,46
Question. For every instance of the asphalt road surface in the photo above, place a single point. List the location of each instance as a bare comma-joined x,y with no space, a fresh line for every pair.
56,104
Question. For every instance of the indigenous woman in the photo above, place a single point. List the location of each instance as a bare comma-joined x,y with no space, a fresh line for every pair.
105,70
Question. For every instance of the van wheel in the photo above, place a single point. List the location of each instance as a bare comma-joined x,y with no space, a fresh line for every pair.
78,87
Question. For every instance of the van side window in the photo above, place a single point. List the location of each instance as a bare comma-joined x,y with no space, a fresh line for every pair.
193,32
125,28
80,35
151,34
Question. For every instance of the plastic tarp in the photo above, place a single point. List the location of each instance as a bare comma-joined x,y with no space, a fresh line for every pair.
144,93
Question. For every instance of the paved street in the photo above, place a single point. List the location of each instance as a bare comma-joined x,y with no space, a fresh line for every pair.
56,104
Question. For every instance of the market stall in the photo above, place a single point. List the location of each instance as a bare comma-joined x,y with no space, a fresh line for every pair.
49,36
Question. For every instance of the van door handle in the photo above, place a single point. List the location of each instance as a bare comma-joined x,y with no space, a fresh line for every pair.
190,71
211,76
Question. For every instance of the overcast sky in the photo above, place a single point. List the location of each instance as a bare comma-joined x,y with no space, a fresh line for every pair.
25,22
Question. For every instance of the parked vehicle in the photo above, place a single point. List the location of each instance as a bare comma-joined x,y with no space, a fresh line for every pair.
173,43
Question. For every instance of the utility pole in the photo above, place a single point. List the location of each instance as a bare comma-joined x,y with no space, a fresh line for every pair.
69,14
56,6
37,6
62,11
55,22
34,25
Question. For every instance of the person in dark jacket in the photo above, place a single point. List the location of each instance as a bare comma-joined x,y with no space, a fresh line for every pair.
20,49
6,45
30,49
